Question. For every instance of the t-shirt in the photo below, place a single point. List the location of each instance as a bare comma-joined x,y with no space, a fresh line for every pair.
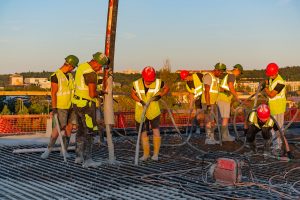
191,83
279,87
90,78
146,89
231,78
55,80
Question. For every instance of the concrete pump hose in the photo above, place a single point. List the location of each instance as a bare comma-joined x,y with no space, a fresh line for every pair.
137,148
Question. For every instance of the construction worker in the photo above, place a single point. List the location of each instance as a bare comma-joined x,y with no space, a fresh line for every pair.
275,89
209,99
227,91
194,86
260,120
149,88
85,107
62,90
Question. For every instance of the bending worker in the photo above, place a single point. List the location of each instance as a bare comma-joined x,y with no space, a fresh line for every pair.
194,86
209,99
62,90
85,107
275,90
227,91
149,88
260,120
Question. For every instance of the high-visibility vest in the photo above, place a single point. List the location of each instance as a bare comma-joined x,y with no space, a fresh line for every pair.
65,89
277,104
153,109
213,90
254,120
197,91
81,89
226,95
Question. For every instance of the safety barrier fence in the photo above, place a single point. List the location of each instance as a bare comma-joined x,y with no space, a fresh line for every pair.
28,124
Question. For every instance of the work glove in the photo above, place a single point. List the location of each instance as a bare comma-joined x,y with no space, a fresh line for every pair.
156,98
265,84
54,111
290,155
142,102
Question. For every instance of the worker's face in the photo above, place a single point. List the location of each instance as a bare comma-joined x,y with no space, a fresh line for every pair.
218,72
263,120
148,82
273,77
236,72
69,67
95,65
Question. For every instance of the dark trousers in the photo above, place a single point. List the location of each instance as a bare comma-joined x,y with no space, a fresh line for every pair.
253,130
84,136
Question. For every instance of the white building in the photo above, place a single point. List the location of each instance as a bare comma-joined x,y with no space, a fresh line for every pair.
42,82
16,79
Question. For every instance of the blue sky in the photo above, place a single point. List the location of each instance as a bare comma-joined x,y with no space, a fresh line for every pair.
36,35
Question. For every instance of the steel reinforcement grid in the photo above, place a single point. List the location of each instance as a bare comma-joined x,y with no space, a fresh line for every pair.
180,173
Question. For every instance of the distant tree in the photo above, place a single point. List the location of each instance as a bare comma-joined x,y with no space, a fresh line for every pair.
5,110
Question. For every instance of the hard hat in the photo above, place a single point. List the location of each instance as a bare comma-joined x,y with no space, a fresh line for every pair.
101,58
239,67
272,69
184,74
148,74
72,60
220,66
263,112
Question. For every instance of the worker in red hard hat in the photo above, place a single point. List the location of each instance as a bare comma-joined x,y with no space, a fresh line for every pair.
275,88
149,89
194,86
260,120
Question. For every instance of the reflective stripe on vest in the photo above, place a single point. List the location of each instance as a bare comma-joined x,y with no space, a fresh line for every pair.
65,89
81,89
198,90
278,103
213,90
153,109
254,119
224,83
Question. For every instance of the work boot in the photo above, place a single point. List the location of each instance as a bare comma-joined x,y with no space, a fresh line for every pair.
156,147
46,154
146,148
79,152
91,163
226,137
198,131
210,136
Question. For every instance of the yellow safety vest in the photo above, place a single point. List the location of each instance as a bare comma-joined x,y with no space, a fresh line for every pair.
65,89
197,91
254,120
81,89
213,90
277,104
153,109
226,95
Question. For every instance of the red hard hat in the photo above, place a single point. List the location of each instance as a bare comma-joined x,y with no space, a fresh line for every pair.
184,74
272,69
148,74
263,112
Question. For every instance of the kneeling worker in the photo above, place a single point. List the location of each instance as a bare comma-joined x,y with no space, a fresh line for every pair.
149,88
260,120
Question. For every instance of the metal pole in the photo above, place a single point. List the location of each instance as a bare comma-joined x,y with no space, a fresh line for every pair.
107,79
